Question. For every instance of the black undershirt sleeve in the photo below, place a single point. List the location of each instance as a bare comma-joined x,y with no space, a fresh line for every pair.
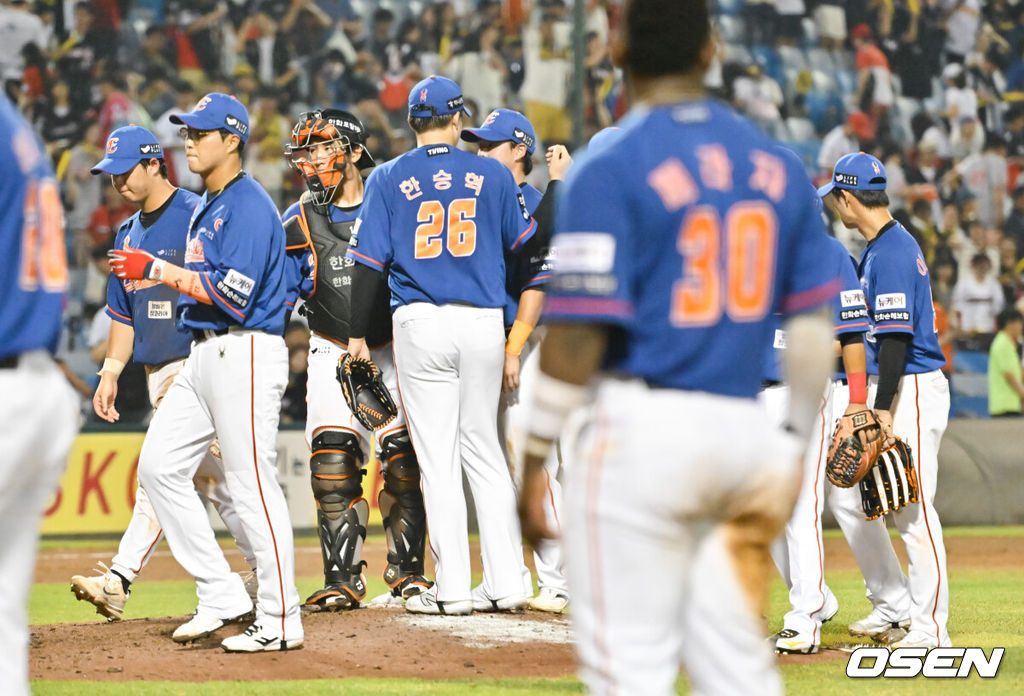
892,357
365,283
852,337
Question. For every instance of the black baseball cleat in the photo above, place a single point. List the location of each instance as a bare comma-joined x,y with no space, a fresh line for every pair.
336,597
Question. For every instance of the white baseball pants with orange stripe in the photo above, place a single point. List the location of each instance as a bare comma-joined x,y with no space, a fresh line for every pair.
920,413
547,555
143,533
326,406
230,389
449,361
669,518
798,553
39,413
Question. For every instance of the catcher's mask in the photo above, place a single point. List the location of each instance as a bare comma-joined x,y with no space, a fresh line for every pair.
321,146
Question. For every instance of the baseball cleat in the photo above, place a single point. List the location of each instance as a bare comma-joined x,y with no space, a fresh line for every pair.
412,585
336,597
915,639
550,600
512,603
427,603
200,626
106,591
257,639
388,599
790,642
879,629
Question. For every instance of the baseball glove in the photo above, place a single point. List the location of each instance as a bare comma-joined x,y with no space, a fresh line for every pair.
855,448
365,393
891,483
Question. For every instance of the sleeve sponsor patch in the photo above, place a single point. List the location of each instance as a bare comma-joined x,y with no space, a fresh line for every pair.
852,298
891,316
850,314
160,309
584,252
231,295
892,300
241,283
780,340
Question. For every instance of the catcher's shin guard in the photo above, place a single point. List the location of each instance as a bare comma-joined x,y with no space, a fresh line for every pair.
342,516
401,507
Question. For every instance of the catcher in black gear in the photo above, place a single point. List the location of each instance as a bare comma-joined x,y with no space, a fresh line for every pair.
328,148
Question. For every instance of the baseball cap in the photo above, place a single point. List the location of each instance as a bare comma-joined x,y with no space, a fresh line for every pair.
348,125
436,96
126,147
217,111
857,171
501,125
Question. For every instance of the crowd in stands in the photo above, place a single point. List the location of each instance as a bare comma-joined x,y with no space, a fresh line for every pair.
935,88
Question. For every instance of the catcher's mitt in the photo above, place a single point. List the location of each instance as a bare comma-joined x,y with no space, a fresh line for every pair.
855,448
891,483
365,393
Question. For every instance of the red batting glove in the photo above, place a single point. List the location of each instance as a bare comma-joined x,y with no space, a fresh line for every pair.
131,264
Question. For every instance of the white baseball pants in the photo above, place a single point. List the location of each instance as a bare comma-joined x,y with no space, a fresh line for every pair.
512,413
143,533
668,521
39,413
920,413
449,361
230,388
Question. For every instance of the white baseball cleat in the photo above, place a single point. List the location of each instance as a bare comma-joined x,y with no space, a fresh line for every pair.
427,603
200,626
878,628
258,639
916,639
551,600
793,642
512,603
105,591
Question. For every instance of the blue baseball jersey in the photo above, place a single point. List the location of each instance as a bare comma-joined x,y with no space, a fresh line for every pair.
849,312
34,271
521,271
898,294
703,233
439,220
149,307
236,243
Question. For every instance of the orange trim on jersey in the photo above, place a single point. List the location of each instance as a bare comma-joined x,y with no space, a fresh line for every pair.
896,326
533,223
256,469
142,562
367,258
300,216
127,320
924,510
204,277
851,326
541,277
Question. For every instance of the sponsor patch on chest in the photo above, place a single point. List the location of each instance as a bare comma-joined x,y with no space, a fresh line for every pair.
160,309
241,283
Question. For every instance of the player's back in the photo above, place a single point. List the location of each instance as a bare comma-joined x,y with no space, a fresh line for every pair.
33,273
451,216
710,232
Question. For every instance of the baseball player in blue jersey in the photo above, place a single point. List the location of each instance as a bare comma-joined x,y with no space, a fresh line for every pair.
910,396
329,150
439,220
509,137
799,552
143,327
666,278
38,407
233,282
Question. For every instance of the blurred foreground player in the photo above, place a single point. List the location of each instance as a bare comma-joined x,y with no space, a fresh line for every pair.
38,408
664,286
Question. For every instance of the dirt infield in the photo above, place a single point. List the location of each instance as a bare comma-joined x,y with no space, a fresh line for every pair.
371,642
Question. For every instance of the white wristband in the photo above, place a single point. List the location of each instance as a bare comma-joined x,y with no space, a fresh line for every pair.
553,401
156,271
111,365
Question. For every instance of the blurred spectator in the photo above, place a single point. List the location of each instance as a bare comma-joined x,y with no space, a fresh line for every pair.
18,26
984,175
943,280
1010,271
842,140
169,136
202,21
977,299
758,95
960,99
789,17
269,135
480,70
116,108
989,84
82,191
830,21
598,83
961,28
545,89
1005,383
293,402
82,53
874,79
106,218
156,59
1013,228
59,123
966,137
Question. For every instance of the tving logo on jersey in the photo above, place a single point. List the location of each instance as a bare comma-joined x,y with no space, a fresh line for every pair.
934,663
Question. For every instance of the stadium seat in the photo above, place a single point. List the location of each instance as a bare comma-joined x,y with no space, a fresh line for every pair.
846,80
823,82
732,28
800,129
825,111
820,59
738,53
770,63
793,57
810,30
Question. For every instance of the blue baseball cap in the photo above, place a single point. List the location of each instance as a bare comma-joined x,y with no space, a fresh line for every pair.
501,125
436,96
126,147
857,171
217,111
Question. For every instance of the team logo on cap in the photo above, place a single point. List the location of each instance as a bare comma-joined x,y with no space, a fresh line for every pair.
490,118
149,149
201,104
112,146
423,95
874,165
523,137
232,122
846,179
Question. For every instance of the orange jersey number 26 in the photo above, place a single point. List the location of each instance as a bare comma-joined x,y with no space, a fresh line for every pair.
458,227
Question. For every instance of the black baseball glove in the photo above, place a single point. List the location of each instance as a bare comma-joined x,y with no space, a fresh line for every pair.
365,393
891,483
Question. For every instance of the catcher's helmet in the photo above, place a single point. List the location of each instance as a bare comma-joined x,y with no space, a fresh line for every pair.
325,174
